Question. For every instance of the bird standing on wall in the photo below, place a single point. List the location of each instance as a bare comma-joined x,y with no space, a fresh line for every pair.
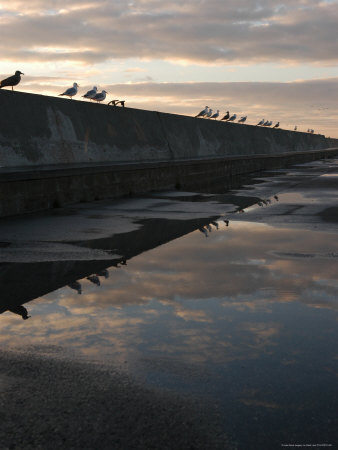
232,118
277,125
242,119
91,94
71,91
226,117
11,81
209,113
203,112
295,129
260,123
100,96
214,116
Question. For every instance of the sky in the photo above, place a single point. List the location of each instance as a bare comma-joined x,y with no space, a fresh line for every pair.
276,60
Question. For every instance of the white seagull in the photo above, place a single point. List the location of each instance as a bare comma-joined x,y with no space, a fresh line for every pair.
214,116
209,113
260,123
242,119
91,94
232,118
71,91
203,112
100,96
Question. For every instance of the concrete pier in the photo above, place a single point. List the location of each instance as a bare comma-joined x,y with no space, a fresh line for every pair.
57,151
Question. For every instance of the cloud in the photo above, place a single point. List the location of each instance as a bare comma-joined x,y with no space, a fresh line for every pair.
195,31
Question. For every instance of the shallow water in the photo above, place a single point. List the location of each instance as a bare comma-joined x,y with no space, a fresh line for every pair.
242,314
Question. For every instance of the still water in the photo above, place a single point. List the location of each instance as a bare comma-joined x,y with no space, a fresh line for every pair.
227,296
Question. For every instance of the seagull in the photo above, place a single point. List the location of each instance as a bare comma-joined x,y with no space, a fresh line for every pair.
260,123
242,119
267,124
100,96
71,91
203,112
277,125
76,286
94,279
214,116
232,118
12,81
204,231
295,129
103,273
226,117
209,113
90,94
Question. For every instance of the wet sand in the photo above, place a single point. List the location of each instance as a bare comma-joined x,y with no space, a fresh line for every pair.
53,403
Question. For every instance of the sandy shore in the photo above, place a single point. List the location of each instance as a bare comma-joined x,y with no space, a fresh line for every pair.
53,403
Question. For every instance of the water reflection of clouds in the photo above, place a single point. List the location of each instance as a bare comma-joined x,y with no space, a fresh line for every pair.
204,299
245,268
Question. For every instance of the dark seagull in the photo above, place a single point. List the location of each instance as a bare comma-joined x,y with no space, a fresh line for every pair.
11,81
226,117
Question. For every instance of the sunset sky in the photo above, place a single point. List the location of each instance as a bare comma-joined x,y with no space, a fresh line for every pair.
276,60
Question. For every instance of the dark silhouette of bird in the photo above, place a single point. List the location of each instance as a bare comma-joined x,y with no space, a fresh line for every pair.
203,112
94,279
226,117
76,286
214,116
204,231
103,273
261,123
11,81
277,125
295,129
232,118
91,94
242,119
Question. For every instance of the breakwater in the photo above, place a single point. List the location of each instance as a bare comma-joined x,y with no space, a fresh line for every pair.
57,151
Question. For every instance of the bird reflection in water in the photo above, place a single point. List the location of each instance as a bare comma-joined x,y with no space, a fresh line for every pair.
76,286
19,309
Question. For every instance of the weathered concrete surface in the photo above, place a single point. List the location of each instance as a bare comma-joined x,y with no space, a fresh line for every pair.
37,188
38,130
57,151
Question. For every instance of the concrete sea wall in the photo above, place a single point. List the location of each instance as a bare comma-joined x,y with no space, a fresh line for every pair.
55,151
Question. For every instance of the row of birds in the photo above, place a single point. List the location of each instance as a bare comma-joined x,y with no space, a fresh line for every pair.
207,113
92,94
